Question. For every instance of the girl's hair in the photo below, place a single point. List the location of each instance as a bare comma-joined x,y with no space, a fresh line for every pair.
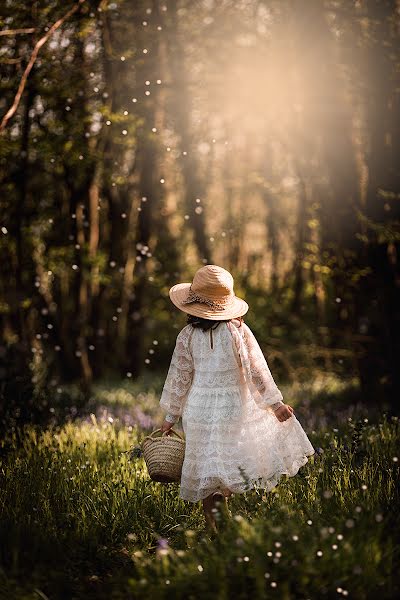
206,324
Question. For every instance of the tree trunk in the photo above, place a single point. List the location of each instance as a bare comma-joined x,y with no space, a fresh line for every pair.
181,109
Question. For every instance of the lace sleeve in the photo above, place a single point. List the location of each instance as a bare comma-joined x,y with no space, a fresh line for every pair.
179,376
269,395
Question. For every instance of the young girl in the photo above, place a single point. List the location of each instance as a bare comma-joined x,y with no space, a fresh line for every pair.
239,433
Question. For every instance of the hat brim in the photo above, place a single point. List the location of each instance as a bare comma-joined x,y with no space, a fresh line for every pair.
180,291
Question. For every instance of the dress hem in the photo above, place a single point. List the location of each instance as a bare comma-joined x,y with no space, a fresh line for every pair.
272,482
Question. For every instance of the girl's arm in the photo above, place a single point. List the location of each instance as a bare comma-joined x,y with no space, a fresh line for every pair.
269,395
178,380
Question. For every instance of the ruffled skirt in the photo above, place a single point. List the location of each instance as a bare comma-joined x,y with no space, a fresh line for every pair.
233,444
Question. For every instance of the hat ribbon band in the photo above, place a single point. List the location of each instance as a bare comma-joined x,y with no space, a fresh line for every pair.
193,297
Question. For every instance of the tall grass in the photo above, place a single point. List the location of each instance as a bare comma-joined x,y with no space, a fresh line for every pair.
80,518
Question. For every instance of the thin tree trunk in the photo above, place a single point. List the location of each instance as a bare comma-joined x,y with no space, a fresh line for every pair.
298,268
150,192
194,187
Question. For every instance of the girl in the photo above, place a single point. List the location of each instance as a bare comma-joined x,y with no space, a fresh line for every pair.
239,433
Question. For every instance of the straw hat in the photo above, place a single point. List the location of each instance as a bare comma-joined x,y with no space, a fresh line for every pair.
210,295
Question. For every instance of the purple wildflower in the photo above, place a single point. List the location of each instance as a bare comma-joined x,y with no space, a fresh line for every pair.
162,544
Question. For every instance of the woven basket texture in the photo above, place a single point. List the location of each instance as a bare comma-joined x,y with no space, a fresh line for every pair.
164,456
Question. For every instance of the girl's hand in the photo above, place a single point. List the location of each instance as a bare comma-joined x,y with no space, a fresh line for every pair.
284,412
166,426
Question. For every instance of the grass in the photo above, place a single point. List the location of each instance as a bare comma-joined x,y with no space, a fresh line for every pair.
81,519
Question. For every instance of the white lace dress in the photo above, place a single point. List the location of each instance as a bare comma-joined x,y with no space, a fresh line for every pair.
220,384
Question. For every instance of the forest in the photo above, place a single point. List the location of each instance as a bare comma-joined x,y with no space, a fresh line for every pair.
153,138
143,139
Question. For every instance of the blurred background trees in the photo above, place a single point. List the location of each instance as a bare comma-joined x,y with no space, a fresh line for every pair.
153,137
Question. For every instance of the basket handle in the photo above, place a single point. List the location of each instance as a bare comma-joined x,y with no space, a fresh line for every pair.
152,436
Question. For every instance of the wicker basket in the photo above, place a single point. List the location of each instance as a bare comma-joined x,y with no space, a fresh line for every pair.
164,455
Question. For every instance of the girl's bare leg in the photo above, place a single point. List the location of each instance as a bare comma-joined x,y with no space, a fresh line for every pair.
208,505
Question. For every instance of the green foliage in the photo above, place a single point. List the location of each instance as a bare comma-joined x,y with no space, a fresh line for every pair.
384,233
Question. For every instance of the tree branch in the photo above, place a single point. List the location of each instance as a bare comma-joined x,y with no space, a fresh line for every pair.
17,31
11,111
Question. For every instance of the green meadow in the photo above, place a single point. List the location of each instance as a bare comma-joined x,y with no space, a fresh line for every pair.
80,517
